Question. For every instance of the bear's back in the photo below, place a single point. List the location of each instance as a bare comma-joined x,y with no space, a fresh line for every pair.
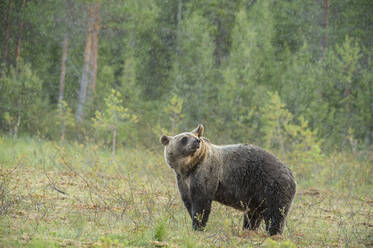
253,174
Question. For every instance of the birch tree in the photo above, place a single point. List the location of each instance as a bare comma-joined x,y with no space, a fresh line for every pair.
87,57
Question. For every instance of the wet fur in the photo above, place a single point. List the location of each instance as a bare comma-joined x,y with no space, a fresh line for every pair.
241,176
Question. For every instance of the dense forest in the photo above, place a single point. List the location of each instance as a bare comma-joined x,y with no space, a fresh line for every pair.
87,87
252,71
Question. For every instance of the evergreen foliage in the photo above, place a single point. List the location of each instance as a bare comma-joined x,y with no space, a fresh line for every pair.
294,77
114,119
288,75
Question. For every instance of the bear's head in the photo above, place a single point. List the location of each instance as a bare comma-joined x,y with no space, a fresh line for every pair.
183,151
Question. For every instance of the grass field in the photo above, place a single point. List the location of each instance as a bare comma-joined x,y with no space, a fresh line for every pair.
76,195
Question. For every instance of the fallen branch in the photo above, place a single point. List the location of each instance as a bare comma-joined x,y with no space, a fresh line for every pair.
52,184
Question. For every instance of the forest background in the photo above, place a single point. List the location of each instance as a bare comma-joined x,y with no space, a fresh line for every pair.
294,77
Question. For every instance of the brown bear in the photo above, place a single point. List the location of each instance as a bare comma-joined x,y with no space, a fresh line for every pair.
241,176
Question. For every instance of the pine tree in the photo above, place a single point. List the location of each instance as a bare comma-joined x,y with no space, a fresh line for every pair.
192,68
113,117
248,72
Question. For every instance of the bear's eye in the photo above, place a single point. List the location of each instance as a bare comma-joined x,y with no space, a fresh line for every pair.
184,140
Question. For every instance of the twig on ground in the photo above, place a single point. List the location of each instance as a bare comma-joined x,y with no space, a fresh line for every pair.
52,183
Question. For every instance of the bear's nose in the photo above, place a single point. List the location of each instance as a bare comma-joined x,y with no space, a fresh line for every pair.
196,143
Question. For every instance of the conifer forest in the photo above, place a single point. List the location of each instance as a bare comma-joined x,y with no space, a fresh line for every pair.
87,88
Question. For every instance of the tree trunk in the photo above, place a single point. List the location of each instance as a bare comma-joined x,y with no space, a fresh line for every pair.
114,141
93,62
177,38
179,11
347,101
65,46
63,129
325,26
282,146
20,28
62,85
7,31
173,125
15,132
178,21
63,67
87,56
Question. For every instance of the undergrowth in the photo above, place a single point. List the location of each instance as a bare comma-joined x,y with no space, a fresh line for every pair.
55,195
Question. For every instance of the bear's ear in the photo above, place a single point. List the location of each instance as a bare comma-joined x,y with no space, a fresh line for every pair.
199,130
165,140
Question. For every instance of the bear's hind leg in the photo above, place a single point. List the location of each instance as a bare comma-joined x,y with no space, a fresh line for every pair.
275,222
252,221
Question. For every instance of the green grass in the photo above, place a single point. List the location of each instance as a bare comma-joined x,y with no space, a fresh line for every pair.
133,201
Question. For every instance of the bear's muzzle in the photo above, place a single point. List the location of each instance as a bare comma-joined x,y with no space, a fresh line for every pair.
196,144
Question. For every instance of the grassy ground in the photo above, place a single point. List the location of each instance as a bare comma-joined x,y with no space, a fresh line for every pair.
75,195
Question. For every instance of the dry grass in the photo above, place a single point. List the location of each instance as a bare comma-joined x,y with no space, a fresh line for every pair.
76,196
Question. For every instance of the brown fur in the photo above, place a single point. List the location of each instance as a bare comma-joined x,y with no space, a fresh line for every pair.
242,176
198,156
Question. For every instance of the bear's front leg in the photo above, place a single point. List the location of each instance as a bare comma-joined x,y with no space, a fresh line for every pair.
252,220
185,195
201,207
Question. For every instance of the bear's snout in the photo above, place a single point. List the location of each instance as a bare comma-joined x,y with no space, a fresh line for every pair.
196,143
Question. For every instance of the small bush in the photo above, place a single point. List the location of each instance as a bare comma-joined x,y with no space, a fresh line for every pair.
160,231
7,199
